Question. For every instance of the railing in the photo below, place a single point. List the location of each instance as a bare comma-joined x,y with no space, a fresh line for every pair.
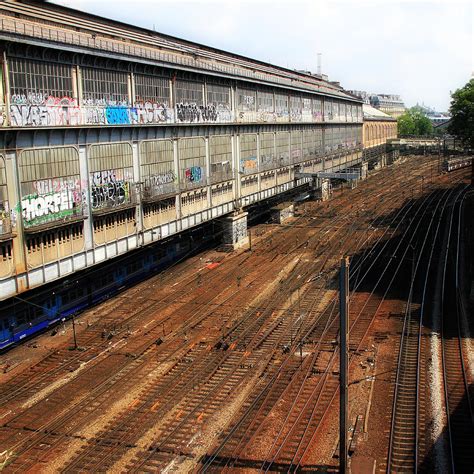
190,185
221,176
151,193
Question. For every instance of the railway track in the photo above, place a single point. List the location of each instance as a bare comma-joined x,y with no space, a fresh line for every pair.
407,436
241,348
161,449
269,339
365,310
324,396
457,392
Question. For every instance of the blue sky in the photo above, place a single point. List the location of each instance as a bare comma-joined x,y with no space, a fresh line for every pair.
421,50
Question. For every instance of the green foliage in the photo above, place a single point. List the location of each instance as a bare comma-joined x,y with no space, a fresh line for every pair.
414,123
462,112
406,125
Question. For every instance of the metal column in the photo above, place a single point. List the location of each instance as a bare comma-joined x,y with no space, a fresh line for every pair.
343,362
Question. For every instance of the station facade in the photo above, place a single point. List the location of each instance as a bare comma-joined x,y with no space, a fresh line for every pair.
113,137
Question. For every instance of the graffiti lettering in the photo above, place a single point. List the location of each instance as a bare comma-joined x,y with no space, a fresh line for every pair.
248,100
95,116
56,185
203,113
267,160
109,188
117,115
193,174
160,184
104,177
41,110
150,112
160,179
110,194
239,230
296,115
296,154
32,98
39,208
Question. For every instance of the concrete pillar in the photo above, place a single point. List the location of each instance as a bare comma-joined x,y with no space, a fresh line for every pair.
234,230
364,170
282,212
325,189
321,189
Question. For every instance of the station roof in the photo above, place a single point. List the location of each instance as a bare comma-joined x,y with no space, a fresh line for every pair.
371,113
97,35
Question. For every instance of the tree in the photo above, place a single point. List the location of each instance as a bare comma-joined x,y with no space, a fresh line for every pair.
406,125
414,123
462,112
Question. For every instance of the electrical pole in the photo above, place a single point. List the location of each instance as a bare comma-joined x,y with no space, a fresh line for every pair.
343,362
74,331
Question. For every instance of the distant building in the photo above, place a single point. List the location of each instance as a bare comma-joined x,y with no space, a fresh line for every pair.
365,96
390,104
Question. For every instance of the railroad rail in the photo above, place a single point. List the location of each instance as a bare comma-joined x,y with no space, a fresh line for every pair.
268,345
302,428
459,404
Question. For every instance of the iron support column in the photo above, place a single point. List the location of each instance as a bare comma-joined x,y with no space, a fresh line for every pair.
343,362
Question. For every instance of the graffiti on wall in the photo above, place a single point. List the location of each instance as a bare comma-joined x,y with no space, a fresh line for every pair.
296,115
102,112
268,161
296,154
248,165
37,110
306,113
52,199
247,116
263,116
283,158
239,230
161,183
282,114
317,116
194,113
151,112
194,174
109,188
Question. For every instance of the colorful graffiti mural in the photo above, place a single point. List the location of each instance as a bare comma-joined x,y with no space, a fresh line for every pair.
110,188
38,109
194,174
53,206
52,199
248,165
